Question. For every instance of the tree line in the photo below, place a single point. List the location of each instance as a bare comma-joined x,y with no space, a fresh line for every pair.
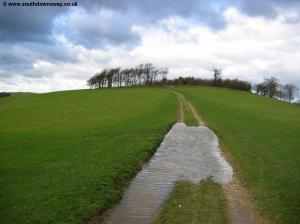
273,88
142,75
216,81
149,75
4,94
225,83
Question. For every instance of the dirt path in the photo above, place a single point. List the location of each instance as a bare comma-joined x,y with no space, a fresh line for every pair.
186,153
184,103
189,153
241,209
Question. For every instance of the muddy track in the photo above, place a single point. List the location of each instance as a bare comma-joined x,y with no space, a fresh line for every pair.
240,207
184,103
186,153
189,153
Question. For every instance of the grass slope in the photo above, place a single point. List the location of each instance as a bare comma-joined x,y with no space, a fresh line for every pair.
263,136
65,155
195,203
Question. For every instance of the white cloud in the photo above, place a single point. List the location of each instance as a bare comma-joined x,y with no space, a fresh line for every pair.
248,48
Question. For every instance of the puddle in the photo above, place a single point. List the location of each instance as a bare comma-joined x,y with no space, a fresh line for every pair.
186,153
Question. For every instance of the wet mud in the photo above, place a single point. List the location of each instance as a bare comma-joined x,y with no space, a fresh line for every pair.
186,153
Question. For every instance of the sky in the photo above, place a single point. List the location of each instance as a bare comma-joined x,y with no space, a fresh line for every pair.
44,49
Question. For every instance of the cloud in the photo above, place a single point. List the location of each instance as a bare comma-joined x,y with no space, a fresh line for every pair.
266,8
79,63
27,24
11,60
248,48
42,84
101,29
41,49
155,8
98,23
36,24
105,23
21,58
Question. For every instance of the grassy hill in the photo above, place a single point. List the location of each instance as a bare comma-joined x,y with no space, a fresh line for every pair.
263,137
65,155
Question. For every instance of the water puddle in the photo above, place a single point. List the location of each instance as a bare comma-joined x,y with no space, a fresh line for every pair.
186,153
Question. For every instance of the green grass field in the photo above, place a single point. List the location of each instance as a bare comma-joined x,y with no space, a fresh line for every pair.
201,203
66,155
263,136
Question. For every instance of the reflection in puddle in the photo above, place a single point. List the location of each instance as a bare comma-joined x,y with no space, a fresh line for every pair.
186,153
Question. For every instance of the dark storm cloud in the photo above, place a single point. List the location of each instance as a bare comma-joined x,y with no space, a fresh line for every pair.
99,29
30,24
208,12
104,23
35,24
153,10
157,8
90,33
19,59
11,60
23,55
266,8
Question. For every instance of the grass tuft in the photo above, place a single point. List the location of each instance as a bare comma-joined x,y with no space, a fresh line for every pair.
195,203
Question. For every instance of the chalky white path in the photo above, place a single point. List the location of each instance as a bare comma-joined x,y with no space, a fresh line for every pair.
186,153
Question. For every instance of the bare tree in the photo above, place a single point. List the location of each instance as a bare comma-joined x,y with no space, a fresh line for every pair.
217,75
148,70
290,91
164,73
258,88
272,86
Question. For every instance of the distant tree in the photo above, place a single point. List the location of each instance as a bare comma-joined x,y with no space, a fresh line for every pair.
257,88
4,94
148,71
147,74
116,77
227,83
271,87
217,76
110,75
281,93
164,73
290,91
